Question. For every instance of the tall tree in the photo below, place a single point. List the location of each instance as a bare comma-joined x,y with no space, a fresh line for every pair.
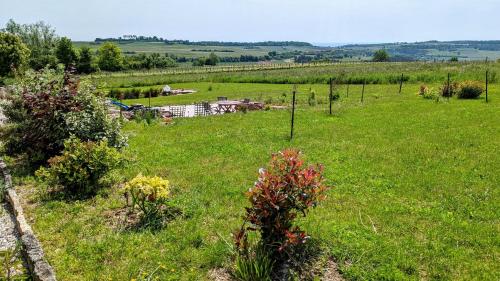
110,57
65,52
85,61
13,53
40,38
381,56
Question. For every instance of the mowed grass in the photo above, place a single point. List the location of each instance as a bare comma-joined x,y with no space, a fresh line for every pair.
414,190
270,93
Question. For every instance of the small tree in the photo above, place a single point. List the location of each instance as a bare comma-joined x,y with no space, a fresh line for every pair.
381,56
84,64
65,52
110,57
40,38
199,62
213,59
283,191
13,53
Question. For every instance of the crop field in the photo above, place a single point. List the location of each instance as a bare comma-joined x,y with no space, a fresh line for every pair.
190,51
354,73
414,186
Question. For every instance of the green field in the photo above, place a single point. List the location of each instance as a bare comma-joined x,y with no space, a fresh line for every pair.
354,73
414,187
190,51
426,51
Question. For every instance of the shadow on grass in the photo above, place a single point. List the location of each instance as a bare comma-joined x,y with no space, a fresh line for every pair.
306,262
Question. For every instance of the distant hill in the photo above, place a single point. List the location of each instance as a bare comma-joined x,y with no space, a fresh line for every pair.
303,52
429,50
492,45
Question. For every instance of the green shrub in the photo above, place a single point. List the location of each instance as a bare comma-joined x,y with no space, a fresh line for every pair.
81,166
450,91
146,116
429,93
470,90
284,191
115,94
45,109
311,99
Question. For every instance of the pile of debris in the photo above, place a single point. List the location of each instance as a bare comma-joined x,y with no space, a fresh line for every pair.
168,91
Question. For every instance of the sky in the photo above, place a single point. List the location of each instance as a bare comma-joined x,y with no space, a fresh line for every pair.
316,21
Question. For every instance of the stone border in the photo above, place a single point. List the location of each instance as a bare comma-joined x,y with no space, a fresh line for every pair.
32,249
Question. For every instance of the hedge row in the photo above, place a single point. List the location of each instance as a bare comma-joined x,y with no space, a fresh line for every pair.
134,93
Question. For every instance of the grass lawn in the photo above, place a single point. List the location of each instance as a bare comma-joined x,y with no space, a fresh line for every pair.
269,93
415,188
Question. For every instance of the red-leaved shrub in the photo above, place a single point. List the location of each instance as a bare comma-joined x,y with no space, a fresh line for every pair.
284,190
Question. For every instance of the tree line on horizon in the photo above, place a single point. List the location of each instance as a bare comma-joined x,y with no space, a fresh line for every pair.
134,38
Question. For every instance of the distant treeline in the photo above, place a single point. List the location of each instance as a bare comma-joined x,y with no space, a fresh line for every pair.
240,44
133,38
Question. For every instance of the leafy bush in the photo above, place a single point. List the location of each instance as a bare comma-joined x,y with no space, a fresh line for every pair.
311,99
152,92
451,90
429,93
45,108
81,166
145,116
470,90
132,94
283,191
115,94
13,54
149,195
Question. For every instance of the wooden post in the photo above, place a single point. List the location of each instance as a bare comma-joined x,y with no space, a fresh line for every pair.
348,89
149,98
363,91
401,83
331,95
448,89
121,109
487,85
293,111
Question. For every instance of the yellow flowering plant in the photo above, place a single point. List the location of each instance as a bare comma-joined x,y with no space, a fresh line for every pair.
148,194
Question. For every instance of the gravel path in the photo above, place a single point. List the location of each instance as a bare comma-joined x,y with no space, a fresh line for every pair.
8,233
9,237
8,244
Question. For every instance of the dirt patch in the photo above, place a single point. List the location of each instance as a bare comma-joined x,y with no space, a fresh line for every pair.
219,274
121,219
329,272
332,272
